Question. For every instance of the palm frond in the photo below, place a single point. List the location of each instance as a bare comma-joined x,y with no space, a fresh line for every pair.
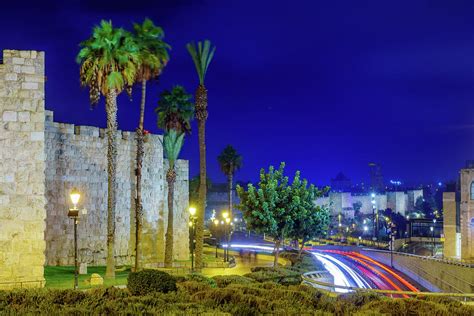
172,144
202,54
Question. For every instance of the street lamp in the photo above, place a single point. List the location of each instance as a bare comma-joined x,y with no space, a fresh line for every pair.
227,237
216,222
192,224
74,215
432,235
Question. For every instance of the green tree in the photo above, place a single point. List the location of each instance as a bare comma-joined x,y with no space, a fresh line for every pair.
270,207
153,56
108,64
175,110
230,161
172,144
310,221
202,54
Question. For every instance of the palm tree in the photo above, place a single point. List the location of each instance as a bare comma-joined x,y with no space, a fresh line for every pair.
202,55
229,161
108,64
153,54
175,111
172,144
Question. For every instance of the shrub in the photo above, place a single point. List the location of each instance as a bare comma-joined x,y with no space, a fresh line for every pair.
279,275
201,279
148,281
225,280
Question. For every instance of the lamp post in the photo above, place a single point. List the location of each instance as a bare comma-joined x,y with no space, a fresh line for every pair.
192,223
74,215
432,236
375,218
227,221
225,215
216,222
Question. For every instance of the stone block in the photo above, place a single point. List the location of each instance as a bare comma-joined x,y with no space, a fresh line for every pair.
27,70
37,136
18,60
24,116
10,116
29,85
11,77
83,268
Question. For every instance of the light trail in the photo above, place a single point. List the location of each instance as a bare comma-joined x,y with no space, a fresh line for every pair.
337,274
331,261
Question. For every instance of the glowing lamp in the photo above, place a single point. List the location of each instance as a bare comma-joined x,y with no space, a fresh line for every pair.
192,211
216,221
227,220
225,214
75,196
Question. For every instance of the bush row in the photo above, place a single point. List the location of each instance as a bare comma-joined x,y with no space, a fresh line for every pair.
236,295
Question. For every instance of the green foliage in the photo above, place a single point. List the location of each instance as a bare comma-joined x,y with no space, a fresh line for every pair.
225,280
202,55
229,160
148,281
172,144
153,50
196,298
109,59
202,279
280,209
278,275
175,110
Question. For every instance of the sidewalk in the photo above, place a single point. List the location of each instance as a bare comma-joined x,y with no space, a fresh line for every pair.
243,265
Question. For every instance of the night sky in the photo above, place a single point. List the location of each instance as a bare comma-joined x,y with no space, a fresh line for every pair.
325,86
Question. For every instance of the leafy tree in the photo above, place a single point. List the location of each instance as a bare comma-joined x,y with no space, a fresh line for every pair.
229,161
172,144
202,54
108,64
177,102
274,205
310,220
153,57
425,206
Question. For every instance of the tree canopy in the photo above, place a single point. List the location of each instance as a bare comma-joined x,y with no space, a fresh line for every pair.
175,110
229,160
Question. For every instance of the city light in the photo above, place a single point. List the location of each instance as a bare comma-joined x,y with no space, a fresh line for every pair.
75,197
192,211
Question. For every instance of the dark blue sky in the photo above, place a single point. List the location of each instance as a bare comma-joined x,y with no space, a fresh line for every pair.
326,86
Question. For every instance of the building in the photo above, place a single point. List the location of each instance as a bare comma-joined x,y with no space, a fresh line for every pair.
376,178
341,183
343,202
458,211
218,200
42,160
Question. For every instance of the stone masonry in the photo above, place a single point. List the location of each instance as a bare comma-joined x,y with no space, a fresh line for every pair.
42,160
22,165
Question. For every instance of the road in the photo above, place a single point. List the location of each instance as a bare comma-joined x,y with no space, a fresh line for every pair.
353,269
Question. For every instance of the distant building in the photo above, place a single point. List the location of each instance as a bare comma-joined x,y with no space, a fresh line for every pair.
218,200
458,210
341,183
376,177
402,202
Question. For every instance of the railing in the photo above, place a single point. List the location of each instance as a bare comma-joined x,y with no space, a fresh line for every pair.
462,263
329,287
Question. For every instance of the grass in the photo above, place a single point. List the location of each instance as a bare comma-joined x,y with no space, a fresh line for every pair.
63,277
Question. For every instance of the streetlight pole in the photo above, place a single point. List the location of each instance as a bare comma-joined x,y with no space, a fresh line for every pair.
374,218
74,215
192,223
216,222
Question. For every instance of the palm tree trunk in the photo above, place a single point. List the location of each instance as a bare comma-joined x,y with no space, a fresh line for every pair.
111,109
201,116
229,178
170,178
138,199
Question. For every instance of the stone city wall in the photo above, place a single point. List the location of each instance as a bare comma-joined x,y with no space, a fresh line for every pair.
76,157
41,161
342,202
22,165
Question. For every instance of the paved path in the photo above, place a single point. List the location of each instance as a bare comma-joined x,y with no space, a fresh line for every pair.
243,265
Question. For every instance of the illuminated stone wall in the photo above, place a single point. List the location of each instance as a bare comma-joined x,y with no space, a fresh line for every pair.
76,157
467,214
41,160
22,164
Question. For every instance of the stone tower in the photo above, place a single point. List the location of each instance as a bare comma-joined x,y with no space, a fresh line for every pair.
22,165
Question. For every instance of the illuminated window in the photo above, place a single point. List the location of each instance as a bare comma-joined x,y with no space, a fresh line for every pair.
472,190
